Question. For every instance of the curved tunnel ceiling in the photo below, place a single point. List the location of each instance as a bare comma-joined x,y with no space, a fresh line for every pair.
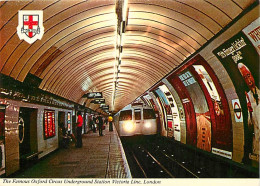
78,51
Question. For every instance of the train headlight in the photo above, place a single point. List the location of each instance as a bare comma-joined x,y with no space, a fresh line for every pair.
147,125
129,126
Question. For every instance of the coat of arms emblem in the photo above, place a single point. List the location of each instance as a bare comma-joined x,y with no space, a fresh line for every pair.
30,25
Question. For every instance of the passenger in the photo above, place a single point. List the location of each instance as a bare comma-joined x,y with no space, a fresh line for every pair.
99,120
95,123
63,129
110,119
92,125
79,130
252,98
105,121
60,134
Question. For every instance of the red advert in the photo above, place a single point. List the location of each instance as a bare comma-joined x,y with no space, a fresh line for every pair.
49,124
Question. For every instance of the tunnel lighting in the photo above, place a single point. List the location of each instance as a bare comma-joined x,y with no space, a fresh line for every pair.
118,40
129,126
147,125
120,29
85,85
5,93
124,12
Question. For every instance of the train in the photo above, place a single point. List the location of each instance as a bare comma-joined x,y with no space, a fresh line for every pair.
136,119
31,125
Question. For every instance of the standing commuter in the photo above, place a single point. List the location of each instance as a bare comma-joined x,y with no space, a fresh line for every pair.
110,119
100,125
79,130
92,125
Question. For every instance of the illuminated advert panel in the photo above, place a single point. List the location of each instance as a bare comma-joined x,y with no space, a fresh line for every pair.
49,123
69,121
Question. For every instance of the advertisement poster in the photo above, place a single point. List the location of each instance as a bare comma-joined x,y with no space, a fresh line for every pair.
147,99
221,125
69,121
201,110
175,112
49,123
252,31
241,60
167,111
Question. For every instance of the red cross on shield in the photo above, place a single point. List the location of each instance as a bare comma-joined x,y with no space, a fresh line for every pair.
30,25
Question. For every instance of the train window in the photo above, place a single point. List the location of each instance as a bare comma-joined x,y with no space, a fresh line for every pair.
137,114
125,115
149,114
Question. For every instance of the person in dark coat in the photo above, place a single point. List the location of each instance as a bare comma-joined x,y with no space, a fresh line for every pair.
100,124
92,125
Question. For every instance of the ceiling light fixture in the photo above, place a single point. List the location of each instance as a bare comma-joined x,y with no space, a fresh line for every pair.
122,12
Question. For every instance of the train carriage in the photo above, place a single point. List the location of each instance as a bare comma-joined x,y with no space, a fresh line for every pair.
136,119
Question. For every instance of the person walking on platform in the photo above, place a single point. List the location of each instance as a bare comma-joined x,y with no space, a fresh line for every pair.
92,125
110,119
99,121
79,130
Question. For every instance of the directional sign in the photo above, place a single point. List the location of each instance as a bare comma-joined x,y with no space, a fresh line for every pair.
98,101
92,95
104,106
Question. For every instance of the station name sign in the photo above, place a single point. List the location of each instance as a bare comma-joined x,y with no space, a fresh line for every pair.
98,101
92,95
34,97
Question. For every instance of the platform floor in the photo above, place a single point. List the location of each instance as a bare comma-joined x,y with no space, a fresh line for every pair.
100,157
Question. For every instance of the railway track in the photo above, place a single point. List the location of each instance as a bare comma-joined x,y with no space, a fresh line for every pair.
163,158
150,161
